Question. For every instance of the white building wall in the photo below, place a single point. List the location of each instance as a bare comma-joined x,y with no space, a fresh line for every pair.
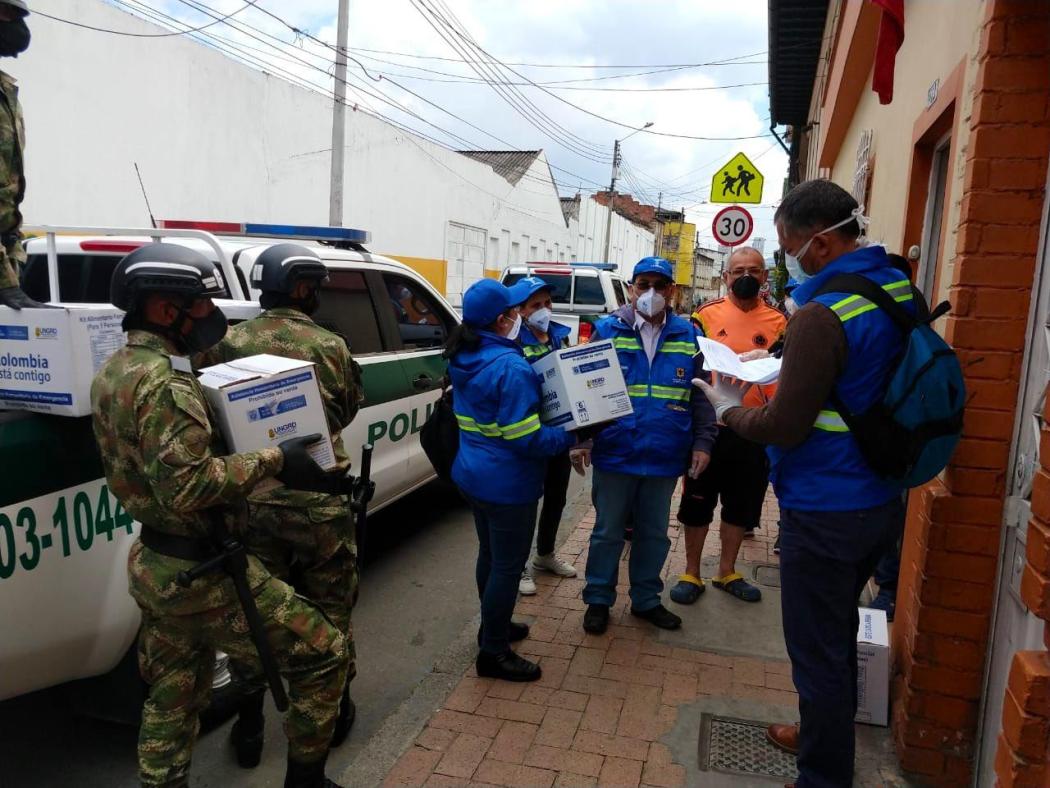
218,140
630,242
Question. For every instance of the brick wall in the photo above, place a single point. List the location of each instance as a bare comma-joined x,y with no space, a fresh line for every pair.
951,551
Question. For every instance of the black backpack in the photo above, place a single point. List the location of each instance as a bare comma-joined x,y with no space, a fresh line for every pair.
439,435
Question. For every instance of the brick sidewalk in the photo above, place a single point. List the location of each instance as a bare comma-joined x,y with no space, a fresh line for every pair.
603,702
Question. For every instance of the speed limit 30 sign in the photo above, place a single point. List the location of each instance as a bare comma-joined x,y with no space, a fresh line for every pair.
732,226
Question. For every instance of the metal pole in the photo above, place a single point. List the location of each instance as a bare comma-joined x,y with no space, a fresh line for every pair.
612,197
335,194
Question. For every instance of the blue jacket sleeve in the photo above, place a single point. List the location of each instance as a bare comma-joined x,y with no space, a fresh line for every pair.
705,427
518,416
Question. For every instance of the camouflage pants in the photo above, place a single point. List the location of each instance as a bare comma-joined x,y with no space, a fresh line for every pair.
313,549
177,657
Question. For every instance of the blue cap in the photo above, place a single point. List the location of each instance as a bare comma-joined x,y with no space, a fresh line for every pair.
654,265
522,290
484,301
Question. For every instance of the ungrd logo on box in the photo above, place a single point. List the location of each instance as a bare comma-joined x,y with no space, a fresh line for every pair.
46,332
596,383
20,333
283,430
551,373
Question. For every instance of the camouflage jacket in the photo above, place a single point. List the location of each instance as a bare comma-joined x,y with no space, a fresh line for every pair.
167,466
290,333
12,178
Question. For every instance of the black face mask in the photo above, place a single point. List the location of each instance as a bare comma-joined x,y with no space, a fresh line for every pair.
310,304
205,332
14,37
745,287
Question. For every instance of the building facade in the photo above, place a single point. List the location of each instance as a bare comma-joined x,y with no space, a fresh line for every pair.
953,173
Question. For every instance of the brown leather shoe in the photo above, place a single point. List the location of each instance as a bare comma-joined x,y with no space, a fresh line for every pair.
784,737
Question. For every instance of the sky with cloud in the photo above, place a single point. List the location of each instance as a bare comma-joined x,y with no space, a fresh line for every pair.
571,77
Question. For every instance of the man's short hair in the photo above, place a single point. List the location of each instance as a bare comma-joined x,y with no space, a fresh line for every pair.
741,250
815,205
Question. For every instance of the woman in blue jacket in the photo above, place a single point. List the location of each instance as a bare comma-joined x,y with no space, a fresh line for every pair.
539,336
501,461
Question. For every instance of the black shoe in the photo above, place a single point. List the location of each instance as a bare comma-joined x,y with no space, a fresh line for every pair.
596,619
659,616
507,666
345,721
515,632
246,735
307,775
776,545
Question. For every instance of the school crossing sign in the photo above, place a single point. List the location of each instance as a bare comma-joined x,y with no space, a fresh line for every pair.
737,181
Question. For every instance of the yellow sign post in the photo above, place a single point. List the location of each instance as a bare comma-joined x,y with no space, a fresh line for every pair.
737,181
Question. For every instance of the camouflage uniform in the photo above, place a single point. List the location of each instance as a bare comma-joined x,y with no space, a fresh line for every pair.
312,529
12,181
166,466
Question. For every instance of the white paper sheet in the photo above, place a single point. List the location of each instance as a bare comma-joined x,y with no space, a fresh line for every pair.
721,359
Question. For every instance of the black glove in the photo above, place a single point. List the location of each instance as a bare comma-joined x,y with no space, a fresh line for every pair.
590,432
16,298
301,471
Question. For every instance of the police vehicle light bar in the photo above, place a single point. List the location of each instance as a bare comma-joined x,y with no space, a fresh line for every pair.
296,231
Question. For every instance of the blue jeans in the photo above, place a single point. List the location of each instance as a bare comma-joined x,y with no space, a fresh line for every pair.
646,502
504,542
825,560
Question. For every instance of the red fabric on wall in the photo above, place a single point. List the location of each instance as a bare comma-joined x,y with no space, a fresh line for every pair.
891,36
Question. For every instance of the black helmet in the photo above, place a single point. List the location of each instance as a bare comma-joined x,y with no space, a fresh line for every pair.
164,268
280,267
18,5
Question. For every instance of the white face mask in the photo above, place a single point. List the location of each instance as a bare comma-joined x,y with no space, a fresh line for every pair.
515,329
651,303
540,319
793,262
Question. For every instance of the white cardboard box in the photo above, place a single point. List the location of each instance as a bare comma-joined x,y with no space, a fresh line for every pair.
582,385
260,401
48,357
873,668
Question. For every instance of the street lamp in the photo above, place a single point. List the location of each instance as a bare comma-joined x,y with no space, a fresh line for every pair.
612,184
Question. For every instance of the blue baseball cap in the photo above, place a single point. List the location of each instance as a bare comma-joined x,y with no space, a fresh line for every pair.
522,290
484,301
654,265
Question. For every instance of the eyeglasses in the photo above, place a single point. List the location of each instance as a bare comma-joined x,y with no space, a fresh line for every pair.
641,285
755,272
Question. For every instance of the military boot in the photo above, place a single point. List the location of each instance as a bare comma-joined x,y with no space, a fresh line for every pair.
307,775
247,732
345,721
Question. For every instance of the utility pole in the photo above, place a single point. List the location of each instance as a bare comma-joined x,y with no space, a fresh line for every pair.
335,192
612,197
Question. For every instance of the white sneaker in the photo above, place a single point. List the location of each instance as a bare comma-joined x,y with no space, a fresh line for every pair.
526,586
551,563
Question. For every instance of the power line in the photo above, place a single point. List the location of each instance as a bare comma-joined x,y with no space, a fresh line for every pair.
248,4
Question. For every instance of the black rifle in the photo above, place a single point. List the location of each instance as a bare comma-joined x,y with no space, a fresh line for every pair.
361,491
232,559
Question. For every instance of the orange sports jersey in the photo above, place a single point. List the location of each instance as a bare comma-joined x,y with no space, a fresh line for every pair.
758,329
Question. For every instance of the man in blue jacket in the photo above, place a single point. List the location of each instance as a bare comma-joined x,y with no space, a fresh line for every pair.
638,458
837,515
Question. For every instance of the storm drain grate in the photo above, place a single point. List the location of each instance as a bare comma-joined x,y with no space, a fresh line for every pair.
767,575
735,746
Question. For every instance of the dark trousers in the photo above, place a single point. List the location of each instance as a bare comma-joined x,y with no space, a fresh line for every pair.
555,488
889,566
825,560
504,540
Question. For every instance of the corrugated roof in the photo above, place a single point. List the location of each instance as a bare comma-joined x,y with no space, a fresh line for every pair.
509,164
796,29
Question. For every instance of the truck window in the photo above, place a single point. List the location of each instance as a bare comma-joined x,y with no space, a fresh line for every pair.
561,283
589,291
82,278
346,308
419,319
617,287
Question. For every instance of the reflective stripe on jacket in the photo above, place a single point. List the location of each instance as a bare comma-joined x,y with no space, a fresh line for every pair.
826,472
502,444
670,417
534,350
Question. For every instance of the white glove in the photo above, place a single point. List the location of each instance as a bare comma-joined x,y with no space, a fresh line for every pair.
725,394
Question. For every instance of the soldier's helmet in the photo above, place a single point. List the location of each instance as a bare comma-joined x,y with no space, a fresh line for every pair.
18,5
279,268
164,268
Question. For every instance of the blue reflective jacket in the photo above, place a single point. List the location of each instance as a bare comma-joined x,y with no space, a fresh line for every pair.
671,418
534,350
826,472
503,448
